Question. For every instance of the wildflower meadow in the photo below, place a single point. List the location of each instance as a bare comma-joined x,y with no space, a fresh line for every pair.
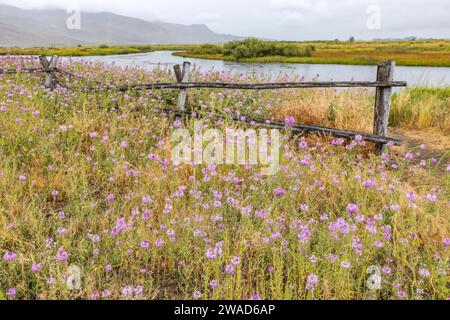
92,205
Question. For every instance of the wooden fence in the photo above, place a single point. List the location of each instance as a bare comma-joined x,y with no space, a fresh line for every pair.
383,84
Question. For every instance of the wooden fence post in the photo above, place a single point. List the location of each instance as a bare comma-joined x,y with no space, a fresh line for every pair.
385,73
182,77
178,73
50,81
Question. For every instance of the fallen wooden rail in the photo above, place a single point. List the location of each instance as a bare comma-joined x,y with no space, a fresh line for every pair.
383,84
297,128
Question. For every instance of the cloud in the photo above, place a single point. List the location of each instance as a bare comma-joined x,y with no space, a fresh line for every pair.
300,13
281,19
318,7
342,18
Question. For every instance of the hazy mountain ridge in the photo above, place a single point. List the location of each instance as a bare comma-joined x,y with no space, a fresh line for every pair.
28,28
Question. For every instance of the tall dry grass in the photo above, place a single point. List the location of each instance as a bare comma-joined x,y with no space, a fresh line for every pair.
419,108
414,108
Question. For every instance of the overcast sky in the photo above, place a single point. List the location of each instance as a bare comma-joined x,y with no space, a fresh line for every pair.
283,19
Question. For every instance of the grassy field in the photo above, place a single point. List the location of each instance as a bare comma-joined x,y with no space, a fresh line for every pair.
86,179
433,53
91,50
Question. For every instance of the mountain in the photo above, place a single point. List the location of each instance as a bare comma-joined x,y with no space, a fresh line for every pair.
27,28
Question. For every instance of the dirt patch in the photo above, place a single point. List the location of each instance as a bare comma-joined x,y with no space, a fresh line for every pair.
437,144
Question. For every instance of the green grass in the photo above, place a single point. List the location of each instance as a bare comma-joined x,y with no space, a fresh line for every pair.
101,50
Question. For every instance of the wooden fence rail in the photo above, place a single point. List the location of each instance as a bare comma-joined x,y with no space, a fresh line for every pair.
19,70
383,84
263,86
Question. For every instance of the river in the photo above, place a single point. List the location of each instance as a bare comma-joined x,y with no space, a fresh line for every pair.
415,76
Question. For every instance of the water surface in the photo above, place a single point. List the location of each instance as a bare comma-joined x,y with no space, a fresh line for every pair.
415,76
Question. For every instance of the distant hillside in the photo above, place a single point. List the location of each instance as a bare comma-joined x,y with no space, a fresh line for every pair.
26,28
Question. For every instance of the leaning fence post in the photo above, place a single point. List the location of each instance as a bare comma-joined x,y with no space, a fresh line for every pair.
182,77
50,81
385,73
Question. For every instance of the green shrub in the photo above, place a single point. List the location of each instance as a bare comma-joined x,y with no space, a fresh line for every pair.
208,49
255,48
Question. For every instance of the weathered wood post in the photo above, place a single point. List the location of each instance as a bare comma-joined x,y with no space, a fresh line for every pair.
178,73
385,73
50,80
182,77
